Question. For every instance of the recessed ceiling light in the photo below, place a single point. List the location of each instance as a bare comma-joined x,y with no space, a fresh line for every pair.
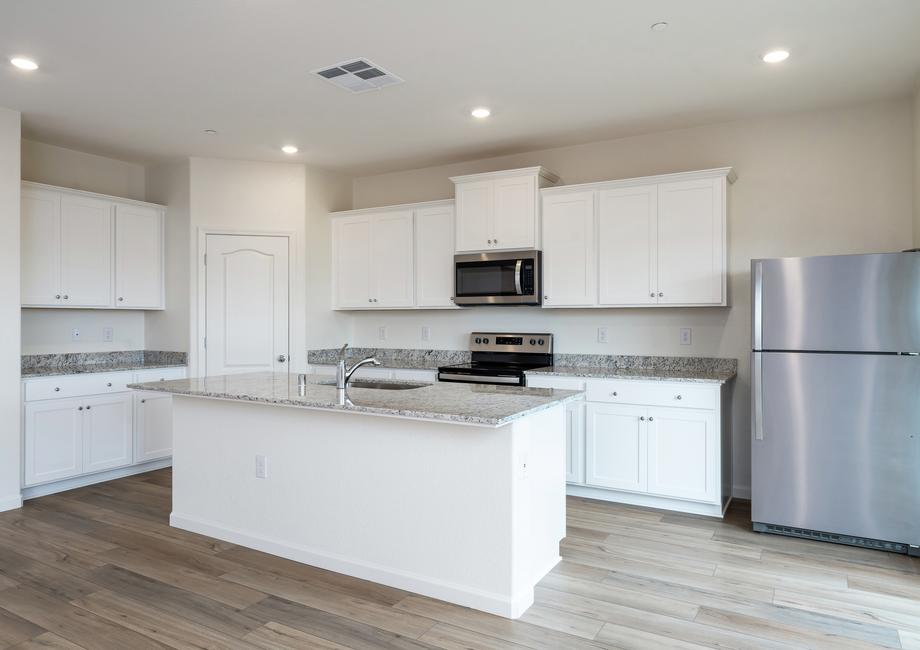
659,27
23,63
481,112
289,148
210,132
775,56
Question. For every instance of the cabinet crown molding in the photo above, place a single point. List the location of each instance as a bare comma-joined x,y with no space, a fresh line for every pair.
95,195
719,172
543,172
393,208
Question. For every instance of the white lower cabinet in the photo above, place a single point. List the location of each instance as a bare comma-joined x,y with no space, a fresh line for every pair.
152,426
107,432
682,448
615,441
54,440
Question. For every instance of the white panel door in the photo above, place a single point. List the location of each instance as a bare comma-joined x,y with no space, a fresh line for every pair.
690,242
575,442
138,257
475,204
627,235
683,454
53,440
392,265
569,269
41,247
152,426
247,304
615,447
514,216
86,252
434,257
107,431
351,246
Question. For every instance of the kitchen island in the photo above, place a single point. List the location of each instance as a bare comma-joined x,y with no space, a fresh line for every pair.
454,491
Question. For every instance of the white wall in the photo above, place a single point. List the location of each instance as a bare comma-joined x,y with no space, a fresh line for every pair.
835,181
9,310
917,167
49,330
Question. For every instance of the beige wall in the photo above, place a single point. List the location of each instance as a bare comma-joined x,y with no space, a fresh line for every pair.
836,181
9,310
49,330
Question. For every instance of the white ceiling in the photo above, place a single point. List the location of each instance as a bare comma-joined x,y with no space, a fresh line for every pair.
141,80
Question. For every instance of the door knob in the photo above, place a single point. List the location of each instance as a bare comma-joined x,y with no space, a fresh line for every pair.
282,358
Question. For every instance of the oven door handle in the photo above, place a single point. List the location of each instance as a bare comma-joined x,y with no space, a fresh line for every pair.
517,277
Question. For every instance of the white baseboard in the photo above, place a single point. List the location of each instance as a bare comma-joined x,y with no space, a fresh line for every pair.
741,492
11,502
645,500
506,606
90,479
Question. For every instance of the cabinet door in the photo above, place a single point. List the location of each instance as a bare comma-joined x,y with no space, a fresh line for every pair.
569,270
86,252
53,440
41,247
690,242
434,257
107,429
575,442
392,268
683,454
615,447
475,203
627,234
152,426
138,257
351,246
514,217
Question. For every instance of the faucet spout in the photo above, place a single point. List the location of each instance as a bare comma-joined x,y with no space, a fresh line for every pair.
343,373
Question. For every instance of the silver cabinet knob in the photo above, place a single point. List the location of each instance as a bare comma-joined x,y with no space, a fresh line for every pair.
613,394
660,294
282,358
545,297
652,294
494,241
109,384
57,297
88,407
651,419
678,397
642,418
143,401
375,300
490,241
57,389
66,297
79,408
370,300
120,299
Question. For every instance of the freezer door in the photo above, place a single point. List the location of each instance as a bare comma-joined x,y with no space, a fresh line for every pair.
843,303
839,447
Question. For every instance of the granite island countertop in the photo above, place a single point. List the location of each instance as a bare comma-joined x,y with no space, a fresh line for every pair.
78,363
699,375
475,404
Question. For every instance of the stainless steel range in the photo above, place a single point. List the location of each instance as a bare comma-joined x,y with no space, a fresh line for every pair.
501,358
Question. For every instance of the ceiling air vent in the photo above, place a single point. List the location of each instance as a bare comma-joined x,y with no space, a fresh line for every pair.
358,76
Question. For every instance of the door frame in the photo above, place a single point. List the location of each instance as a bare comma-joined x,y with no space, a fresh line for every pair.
201,321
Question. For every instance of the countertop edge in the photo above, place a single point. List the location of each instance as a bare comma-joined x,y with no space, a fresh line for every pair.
620,374
62,372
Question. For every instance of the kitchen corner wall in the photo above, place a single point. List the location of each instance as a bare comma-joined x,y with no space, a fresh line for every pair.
49,330
823,182
10,390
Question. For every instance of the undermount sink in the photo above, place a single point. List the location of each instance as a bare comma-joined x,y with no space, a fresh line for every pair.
380,385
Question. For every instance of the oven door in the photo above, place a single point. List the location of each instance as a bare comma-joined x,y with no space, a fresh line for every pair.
470,377
506,278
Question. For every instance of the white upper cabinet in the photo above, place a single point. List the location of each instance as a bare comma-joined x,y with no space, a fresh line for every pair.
41,248
569,277
79,248
500,210
626,235
351,245
657,241
138,257
434,256
392,266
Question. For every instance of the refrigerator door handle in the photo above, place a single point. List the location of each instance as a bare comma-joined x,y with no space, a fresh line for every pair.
757,395
757,305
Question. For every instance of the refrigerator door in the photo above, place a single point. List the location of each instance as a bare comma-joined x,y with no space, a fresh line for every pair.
839,446
842,303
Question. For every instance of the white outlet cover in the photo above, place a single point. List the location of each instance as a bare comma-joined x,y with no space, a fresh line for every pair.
426,333
75,334
686,336
261,466
602,335
108,334
382,333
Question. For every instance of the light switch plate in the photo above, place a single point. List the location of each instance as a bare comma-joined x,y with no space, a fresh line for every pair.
426,333
108,334
261,466
382,333
686,336
602,335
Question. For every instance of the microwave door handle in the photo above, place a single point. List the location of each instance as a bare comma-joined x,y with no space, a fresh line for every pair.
517,277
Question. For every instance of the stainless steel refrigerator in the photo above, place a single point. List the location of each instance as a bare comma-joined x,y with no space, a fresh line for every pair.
836,399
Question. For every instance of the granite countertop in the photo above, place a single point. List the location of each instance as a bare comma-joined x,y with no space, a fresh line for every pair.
476,404
702,375
397,358
78,363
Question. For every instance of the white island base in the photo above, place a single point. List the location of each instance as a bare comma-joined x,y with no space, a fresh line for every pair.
472,515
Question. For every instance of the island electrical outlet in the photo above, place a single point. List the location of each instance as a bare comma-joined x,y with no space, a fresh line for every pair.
261,466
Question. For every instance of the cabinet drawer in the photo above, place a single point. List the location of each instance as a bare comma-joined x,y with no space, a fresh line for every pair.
549,381
651,393
159,374
77,385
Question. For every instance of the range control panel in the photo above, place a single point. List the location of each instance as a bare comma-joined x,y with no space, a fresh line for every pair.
502,342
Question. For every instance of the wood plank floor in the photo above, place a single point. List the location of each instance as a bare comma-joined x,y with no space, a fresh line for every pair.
99,567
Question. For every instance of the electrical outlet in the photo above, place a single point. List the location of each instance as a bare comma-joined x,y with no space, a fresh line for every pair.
382,333
686,336
426,333
75,334
108,334
261,466
602,335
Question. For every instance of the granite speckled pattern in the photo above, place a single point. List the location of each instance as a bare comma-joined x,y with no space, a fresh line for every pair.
391,357
476,404
598,366
75,363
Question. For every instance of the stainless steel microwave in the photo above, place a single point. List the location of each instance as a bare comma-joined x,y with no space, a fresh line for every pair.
498,278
